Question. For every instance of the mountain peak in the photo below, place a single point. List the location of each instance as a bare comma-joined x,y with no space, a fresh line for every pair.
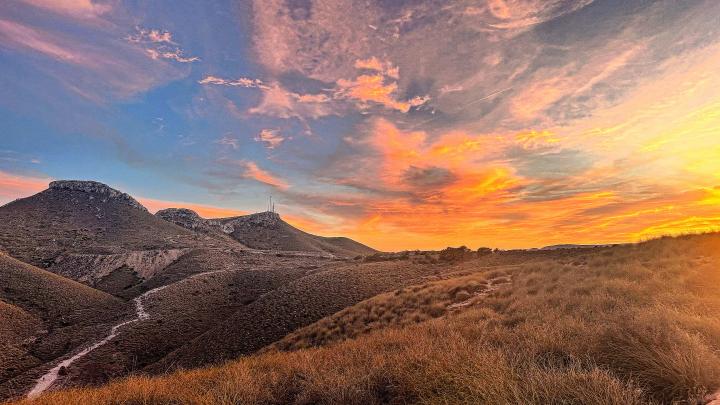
94,187
263,218
177,212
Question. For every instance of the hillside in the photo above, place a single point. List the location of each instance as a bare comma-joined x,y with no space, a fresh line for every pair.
294,305
94,234
265,231
171,286
82,217
634,324
43,316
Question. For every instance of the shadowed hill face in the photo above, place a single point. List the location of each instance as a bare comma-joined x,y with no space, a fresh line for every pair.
265,231
47,295
43,316
82,217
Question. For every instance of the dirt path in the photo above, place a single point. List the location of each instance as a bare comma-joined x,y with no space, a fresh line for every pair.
492,285
48,379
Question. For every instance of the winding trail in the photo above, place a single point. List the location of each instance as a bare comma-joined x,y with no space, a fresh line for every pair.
49,378
491,285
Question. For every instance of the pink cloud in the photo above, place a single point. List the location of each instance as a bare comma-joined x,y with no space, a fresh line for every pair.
176,55
112,68
151,35
205,211
13,186
271,138
277,101
84,9
366,89
22,36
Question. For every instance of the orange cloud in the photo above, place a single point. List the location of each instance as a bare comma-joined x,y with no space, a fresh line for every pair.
205,211
375,64
372,88
253,171
14,186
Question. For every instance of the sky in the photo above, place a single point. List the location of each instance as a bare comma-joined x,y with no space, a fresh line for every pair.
401,124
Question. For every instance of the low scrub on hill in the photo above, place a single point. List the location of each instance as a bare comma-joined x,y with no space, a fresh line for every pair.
634,324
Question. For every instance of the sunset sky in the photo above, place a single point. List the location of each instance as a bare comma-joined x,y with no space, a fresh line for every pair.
402,124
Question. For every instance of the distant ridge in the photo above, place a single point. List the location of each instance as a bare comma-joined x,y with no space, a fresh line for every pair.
266,231
573,246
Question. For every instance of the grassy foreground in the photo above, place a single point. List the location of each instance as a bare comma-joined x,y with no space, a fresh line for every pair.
624,325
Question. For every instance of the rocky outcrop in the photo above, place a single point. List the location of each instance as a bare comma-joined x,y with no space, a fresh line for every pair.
96,189
91,268
190,219
267,220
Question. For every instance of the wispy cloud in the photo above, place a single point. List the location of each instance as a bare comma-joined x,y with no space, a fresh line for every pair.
229,141
271,138
247,169
277,101
108,67
159,44
84,9
24,37
241,82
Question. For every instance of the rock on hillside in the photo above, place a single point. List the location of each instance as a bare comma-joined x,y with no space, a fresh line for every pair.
191,220
95,189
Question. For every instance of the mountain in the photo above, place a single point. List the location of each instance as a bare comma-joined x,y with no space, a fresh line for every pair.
92,233
265,231
93,268
83,217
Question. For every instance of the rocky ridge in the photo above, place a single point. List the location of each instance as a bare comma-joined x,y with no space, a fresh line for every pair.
94,187
190,219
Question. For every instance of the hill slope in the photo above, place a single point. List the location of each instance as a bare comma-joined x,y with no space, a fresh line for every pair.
92,233
82,217
634,324
43,316
266,231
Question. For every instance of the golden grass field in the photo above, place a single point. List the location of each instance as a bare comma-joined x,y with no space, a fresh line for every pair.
632,324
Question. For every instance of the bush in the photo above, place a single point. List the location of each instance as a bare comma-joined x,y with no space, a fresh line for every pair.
451,254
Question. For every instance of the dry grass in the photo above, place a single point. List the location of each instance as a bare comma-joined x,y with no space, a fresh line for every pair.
624,325
415,304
